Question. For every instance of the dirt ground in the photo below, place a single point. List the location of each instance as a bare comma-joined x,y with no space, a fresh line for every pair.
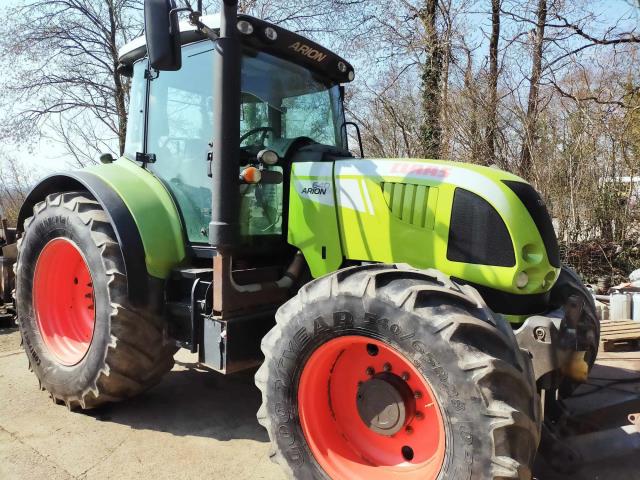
194,425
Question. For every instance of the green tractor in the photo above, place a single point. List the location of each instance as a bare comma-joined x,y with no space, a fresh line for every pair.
411,318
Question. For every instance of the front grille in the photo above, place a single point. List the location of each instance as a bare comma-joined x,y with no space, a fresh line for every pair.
477,233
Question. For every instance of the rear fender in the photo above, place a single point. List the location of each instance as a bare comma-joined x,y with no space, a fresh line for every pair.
142,213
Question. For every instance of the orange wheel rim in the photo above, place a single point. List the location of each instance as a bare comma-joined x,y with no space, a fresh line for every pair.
367,413
63,301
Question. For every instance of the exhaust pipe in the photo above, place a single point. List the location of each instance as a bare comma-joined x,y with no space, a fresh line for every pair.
224,230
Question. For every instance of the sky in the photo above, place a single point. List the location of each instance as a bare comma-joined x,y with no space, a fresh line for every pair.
47,156
44,157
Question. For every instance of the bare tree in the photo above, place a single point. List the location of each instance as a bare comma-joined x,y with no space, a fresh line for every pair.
64,56
529,127
15,183
390,121
431,129
492,96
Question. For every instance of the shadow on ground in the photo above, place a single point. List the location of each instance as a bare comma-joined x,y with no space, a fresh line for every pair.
196,402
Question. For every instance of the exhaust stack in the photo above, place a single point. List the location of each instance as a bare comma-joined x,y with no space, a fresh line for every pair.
224,228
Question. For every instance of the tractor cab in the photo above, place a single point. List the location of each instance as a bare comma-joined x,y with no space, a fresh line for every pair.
290,98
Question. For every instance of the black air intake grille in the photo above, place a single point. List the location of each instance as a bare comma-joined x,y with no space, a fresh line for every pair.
477,233
540,216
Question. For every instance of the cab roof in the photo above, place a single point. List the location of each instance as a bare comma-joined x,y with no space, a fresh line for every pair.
288,45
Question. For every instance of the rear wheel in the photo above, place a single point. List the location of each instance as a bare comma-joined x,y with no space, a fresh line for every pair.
384,372
86,344
64,300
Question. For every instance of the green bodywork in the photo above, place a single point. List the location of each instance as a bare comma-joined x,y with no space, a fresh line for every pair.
400,211
153,210
363,210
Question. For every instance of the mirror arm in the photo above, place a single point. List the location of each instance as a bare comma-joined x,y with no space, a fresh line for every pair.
194,19
175,11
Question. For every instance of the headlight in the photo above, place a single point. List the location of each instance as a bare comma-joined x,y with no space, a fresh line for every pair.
245,27
522,280
268,157
271,33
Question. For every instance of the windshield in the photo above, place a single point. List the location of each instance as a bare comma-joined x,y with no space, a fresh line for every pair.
285,101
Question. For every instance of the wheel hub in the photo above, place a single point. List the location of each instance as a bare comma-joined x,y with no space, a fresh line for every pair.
64,301
368,413
385,404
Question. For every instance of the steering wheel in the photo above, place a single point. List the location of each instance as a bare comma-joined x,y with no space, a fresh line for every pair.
253,131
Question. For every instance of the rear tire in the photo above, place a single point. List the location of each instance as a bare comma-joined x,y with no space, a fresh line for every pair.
481,382
118,351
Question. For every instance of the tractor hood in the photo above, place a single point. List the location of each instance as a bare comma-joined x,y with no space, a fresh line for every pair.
479,224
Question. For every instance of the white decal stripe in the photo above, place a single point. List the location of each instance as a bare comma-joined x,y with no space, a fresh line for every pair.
367,197
313,169
459,176
350,195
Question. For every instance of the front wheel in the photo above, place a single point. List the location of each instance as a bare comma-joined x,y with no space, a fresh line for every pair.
385,372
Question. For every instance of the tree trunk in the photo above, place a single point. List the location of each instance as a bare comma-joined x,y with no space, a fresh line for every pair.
431,130
492,107
120,90
532,105
474,129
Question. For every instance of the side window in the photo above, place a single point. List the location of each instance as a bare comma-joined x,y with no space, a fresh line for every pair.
261,208
309,115
135,121
179,133
253,114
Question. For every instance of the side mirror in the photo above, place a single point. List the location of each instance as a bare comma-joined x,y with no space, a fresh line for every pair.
162,32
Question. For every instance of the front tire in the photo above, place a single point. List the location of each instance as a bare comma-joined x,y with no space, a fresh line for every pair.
460,396
86,344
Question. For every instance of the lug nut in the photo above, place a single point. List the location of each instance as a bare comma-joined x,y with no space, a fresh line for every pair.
409,429
417,395
405,376
370,371
386,367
